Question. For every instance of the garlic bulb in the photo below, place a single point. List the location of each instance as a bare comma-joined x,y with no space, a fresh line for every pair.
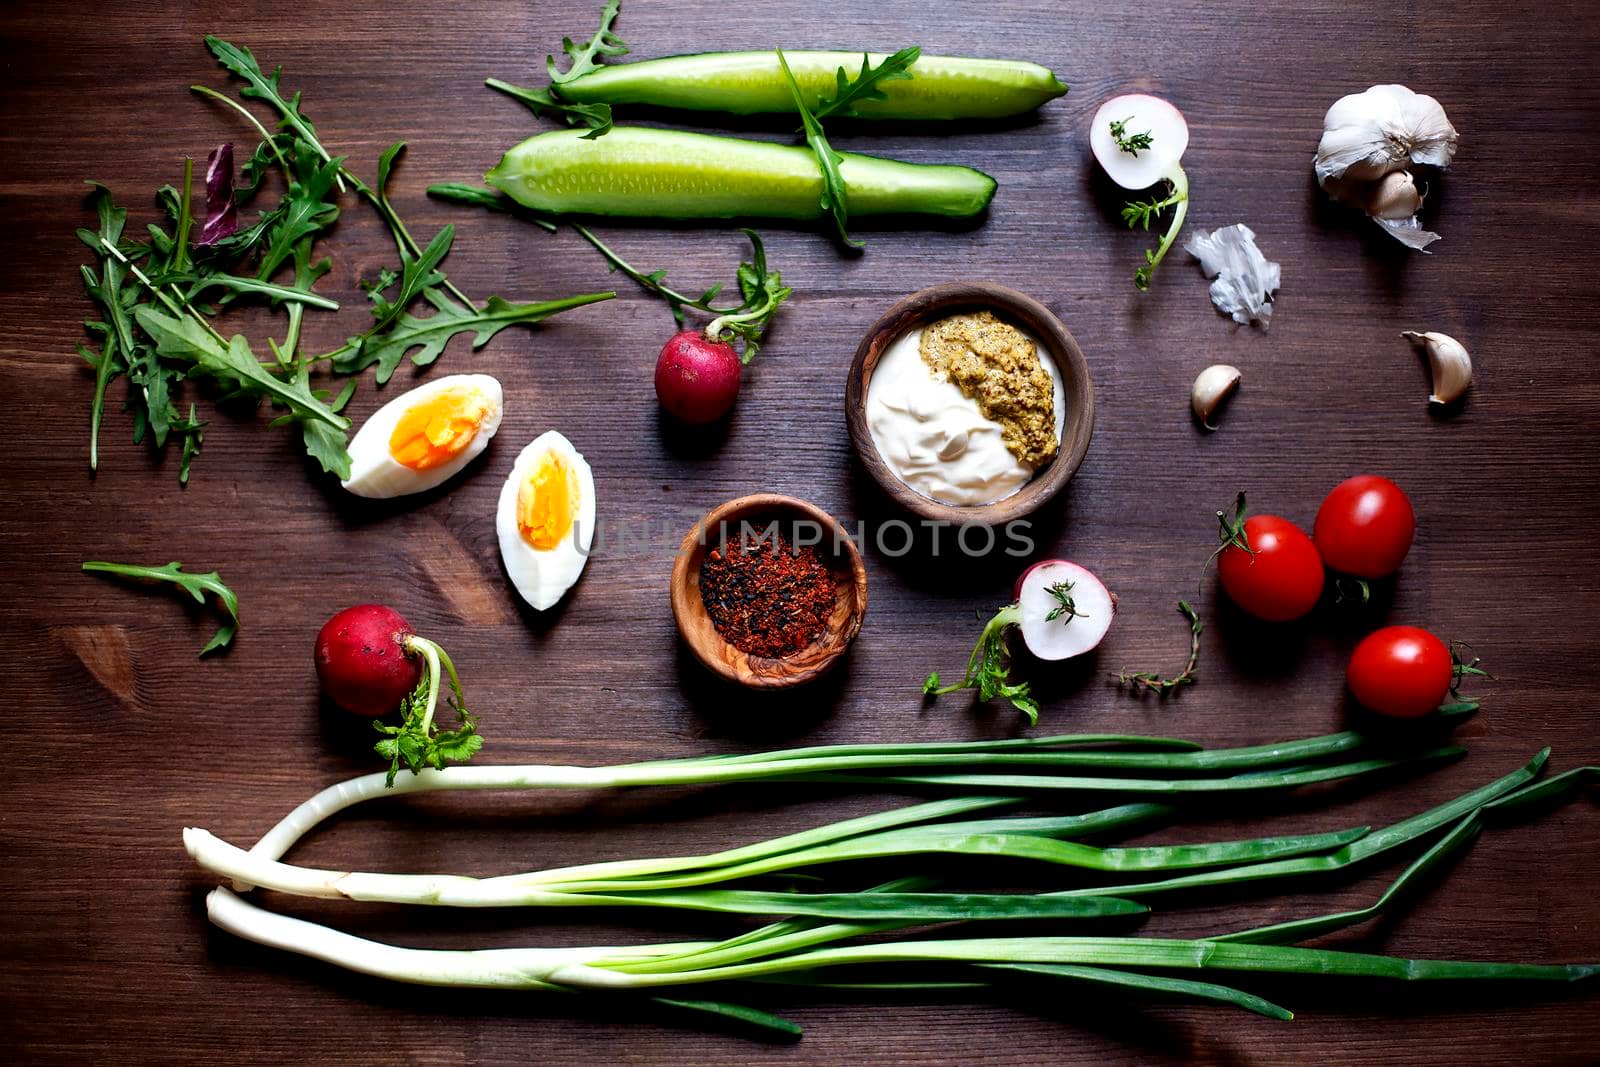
1367,138
1448,362
1211,389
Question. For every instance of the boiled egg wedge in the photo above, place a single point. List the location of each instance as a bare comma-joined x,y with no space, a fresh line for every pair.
424,437
545,520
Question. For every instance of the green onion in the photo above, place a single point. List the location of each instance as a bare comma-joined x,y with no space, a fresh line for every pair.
826,934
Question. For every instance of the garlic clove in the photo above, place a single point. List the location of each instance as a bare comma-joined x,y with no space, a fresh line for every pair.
1395,196
1211,389
1448,362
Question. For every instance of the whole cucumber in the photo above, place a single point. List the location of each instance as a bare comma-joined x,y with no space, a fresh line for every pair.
644,172
744,83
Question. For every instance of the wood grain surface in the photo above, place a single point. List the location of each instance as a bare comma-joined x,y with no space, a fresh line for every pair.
120,736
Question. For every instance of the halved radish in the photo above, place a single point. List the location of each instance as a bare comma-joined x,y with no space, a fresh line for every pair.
1065,610
1061,610
1139,141
1139,113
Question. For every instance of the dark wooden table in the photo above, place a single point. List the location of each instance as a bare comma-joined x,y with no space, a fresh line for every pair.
119,736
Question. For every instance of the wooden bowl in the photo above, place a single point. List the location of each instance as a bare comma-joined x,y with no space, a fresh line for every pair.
836,550
939,301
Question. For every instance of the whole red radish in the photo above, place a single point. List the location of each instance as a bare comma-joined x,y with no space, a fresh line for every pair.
371,662
1268,566
364,661
697,378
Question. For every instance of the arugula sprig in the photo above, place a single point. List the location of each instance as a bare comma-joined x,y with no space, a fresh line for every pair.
848,93
418,742
761,288
864,86
547,102
154,330
196,585
834,195
605,44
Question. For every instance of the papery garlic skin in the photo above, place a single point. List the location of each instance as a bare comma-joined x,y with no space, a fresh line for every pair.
1448,362
1211,389
1245,279
1368,136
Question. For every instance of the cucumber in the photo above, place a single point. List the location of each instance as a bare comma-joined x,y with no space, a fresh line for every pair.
745,83
643,172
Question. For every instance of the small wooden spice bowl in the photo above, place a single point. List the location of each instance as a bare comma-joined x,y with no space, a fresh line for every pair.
836,550
937,302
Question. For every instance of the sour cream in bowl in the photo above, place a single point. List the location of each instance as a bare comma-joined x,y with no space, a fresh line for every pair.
970,403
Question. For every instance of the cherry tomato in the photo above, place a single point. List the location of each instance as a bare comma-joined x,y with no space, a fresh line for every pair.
1280,578
1364,527
1402,671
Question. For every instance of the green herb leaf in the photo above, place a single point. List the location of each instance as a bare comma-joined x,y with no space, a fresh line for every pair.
849,92
418,742
834,198
989,666
240,62
1133,143
196,585
253,171
604,44
430,335
106,290
185,339
416,275
306,211
544,103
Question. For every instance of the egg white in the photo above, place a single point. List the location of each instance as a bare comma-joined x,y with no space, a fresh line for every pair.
542,577
374,472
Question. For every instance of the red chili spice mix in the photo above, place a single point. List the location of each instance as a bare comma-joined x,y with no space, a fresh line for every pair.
765,596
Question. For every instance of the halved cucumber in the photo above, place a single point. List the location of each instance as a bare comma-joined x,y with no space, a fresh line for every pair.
745,83
638,171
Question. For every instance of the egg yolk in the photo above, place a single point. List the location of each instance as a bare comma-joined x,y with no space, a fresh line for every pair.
547,502
435,431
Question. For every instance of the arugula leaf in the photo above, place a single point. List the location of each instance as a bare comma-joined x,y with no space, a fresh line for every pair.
865,85
604,44
488,199
254,170
431,334
416,275
196,585
306,208
241,62
545,104
762,290
193,431
199,283
833,188
106,290
187,340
